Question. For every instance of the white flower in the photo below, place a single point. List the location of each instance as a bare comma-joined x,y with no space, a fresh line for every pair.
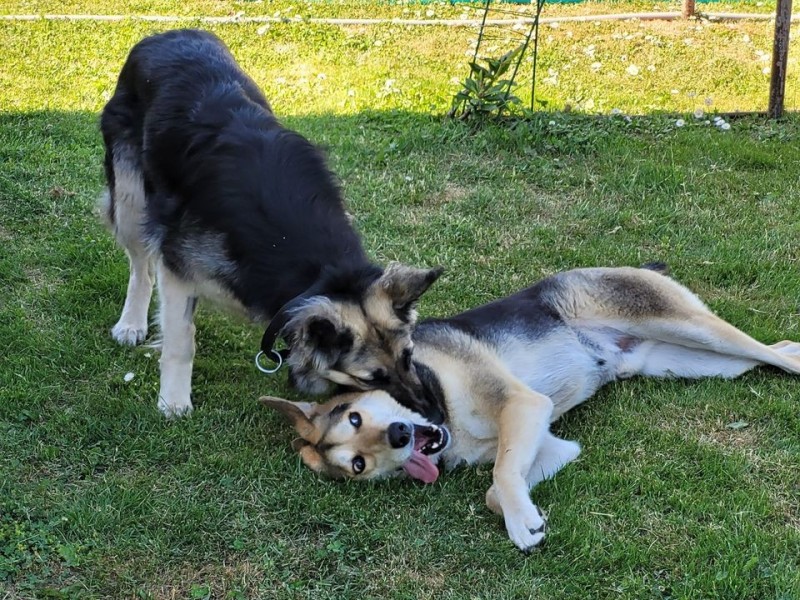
680,123
725,126
351,92
552,78
322,76
673,92
651,68
699,114
717,120
280,80
378,43
706,122
429,13
746,39
616,111
128,377
632,70
552,123
589,51
765,70
596,66
263,29
709,101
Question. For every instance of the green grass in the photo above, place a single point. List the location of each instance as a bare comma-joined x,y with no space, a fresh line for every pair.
102,498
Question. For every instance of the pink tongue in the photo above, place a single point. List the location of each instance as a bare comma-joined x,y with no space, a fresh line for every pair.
421,467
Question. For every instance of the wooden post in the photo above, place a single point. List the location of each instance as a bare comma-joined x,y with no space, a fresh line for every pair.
688,9
780,56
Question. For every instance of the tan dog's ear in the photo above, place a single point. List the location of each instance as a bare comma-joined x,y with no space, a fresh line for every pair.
299,414
311,458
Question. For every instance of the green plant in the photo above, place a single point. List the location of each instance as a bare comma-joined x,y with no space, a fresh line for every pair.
484,94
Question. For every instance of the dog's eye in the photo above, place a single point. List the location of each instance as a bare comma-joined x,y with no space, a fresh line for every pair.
379,376
358,463
355,421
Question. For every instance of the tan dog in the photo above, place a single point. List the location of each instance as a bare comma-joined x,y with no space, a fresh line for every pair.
498,375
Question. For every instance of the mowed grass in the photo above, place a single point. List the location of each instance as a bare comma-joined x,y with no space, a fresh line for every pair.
684,489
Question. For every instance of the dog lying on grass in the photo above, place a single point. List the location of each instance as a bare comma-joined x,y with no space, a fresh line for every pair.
496,376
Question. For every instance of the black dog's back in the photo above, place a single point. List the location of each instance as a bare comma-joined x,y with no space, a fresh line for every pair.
231,195
166,70
180,61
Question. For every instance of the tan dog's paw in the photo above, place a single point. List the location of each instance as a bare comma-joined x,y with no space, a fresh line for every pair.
527,530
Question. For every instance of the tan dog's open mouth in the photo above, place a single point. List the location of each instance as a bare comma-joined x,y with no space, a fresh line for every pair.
429,440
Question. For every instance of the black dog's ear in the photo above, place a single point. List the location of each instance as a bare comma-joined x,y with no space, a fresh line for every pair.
321,332
404,285
325,337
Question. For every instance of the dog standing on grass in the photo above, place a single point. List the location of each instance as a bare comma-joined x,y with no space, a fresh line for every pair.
208,191
496,376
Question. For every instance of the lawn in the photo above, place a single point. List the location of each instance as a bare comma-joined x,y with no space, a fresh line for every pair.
684,489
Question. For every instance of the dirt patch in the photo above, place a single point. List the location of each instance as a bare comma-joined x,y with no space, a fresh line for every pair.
40,281
742,440
209,581
452,192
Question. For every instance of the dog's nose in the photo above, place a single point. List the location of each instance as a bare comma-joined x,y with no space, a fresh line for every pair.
399,434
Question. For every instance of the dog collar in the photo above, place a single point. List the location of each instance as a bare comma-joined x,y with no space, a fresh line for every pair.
274,329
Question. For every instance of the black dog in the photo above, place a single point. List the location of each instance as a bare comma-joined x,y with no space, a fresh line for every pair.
207,189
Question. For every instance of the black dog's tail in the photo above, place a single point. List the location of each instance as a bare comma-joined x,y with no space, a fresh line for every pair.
658,267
